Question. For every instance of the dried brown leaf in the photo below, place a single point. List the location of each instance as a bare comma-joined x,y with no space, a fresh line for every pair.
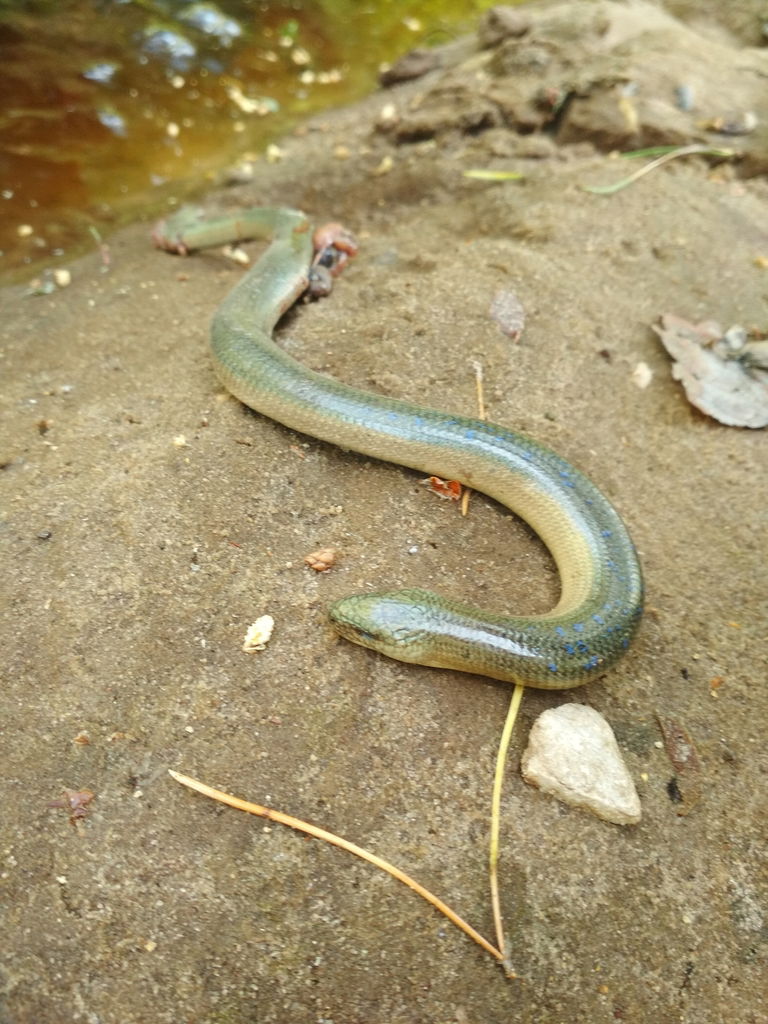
725,385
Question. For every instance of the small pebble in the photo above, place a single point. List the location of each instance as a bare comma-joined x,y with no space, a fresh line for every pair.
573,755
241,173
735,338
300,56
321,560
235,254
507,310
684,97
258,635
388,115
642,375
384,167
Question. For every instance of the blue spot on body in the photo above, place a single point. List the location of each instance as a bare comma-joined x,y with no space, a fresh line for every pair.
559,630
599,620
552,666
578,627
593,662
569,648
606,533
470,434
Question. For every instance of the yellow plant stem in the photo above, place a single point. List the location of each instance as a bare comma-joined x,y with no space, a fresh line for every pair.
493,858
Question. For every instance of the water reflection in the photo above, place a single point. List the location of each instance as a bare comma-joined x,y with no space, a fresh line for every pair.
111,105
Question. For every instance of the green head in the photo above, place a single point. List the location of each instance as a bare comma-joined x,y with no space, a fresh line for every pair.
398,624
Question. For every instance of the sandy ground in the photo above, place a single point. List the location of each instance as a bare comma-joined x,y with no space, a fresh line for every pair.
148,518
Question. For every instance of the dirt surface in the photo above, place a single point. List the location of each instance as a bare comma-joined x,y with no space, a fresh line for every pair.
148,519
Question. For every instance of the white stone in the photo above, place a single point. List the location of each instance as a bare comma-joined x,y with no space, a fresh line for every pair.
573,755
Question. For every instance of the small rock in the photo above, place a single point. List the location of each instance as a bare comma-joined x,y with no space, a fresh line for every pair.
322,560
258,634
241,173
642,375
500,22
388,116
412,65
507,310
573,755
